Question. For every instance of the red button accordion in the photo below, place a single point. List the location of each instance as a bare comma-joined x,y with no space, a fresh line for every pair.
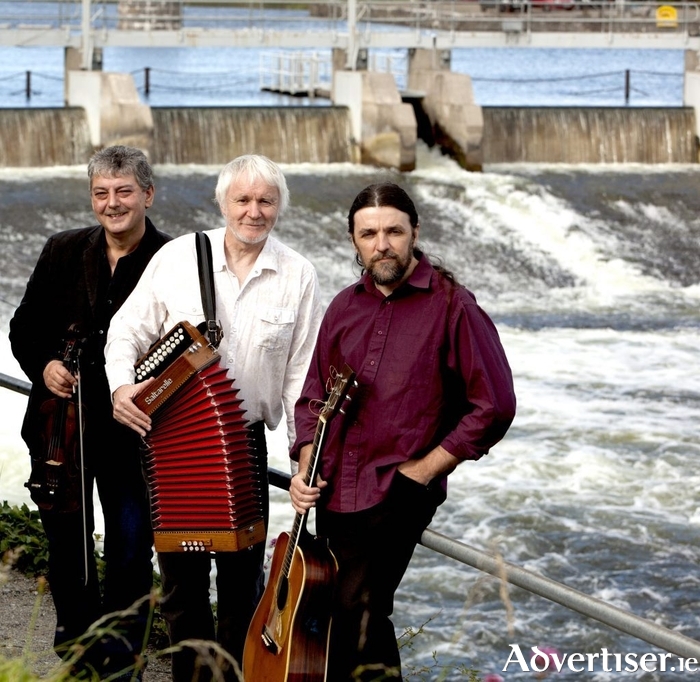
204,483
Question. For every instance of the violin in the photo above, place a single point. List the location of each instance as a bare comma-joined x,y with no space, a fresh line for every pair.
56,480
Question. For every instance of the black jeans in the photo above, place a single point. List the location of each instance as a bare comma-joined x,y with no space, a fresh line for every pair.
373,548
239,582
114,465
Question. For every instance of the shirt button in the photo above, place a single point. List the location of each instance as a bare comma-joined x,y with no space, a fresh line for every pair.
380,333
371,362
101,331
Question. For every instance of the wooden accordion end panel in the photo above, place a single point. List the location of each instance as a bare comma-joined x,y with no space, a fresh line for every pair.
181,353
204,483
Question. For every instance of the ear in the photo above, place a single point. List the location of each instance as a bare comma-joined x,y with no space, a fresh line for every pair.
150,195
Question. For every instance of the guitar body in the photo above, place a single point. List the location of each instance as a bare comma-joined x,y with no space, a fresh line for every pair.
288,637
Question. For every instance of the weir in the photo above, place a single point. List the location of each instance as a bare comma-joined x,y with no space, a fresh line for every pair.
286,134
589,135
45,137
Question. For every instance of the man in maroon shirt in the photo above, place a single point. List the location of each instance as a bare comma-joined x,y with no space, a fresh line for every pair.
435,389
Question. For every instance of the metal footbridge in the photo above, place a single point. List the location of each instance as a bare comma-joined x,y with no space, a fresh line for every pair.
351,25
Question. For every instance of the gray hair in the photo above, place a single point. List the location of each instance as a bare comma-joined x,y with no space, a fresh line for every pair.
119,161
254,167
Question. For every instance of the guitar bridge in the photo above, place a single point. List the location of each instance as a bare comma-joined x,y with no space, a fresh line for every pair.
269,641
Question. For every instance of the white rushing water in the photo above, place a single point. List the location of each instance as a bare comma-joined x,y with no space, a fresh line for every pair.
590,276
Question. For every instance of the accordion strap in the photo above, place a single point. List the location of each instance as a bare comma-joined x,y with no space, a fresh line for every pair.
206,285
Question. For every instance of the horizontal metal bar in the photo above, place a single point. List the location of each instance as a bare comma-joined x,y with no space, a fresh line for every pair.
17,385
572,599
621,620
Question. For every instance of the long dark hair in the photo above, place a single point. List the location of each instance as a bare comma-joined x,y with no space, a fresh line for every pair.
390,194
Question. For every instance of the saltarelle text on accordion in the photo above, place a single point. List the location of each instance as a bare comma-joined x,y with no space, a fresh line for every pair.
204,480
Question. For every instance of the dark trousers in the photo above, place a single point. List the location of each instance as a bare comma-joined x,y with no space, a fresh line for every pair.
373,548
128,543
186,607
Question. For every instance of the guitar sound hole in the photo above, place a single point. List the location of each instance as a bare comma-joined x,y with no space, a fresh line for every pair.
282,593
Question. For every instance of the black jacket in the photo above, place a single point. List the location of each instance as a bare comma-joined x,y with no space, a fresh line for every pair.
63,290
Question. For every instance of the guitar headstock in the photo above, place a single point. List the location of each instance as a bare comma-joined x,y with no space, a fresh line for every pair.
343,383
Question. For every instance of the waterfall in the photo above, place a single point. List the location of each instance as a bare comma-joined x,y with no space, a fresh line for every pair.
285,134
44,137
589,135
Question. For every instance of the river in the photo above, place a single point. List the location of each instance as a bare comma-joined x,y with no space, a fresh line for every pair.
590,274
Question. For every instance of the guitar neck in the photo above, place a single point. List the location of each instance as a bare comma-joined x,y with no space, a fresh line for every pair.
299,525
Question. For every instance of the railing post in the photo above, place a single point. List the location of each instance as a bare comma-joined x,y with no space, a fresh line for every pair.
627,86
147,80
28,85
351,62
86,37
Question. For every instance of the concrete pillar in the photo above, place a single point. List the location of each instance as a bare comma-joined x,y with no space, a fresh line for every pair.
456,120
382,125
114,112
691,87
73,61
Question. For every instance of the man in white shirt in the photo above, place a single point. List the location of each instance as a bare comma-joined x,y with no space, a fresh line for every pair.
270,311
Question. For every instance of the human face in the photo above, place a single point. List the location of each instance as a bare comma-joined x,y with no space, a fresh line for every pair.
384,239
251,209
120,204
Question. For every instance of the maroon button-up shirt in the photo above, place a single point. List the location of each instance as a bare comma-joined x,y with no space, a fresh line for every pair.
431,371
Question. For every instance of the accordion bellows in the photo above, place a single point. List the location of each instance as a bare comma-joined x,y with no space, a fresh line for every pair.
204,481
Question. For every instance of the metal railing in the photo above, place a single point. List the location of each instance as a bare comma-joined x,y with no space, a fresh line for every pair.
295,73
619,619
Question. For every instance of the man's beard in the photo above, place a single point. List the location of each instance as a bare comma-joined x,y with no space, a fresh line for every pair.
389,272
251,240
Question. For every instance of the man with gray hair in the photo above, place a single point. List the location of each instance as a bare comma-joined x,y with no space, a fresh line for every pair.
269,309
80,280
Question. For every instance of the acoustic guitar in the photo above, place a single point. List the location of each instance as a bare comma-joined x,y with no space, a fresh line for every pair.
287,640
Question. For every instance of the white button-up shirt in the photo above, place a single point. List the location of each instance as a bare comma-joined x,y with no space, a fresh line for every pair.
270,323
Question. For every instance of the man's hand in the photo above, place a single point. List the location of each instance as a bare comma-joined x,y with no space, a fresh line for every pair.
59,380
425,469
126,412
303,496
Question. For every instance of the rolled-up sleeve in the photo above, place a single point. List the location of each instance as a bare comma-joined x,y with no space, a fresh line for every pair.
476,355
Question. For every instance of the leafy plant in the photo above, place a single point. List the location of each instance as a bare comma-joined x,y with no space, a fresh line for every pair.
22,534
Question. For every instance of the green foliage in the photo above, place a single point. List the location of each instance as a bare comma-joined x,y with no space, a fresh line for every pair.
22,537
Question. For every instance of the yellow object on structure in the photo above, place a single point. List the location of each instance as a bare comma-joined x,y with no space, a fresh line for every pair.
666,17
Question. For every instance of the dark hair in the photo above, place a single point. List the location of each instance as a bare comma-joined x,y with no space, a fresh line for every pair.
119,161
383,194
